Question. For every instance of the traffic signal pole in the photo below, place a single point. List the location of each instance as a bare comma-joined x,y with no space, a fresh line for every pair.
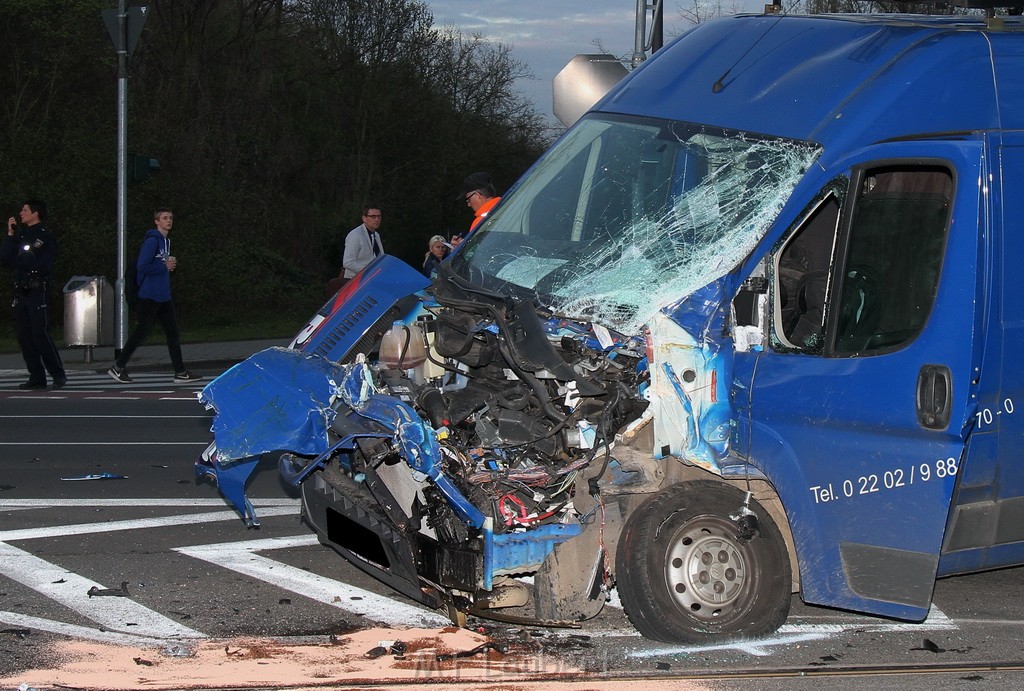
642,42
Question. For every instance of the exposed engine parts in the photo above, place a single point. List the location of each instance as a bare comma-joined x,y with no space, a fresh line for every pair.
520,407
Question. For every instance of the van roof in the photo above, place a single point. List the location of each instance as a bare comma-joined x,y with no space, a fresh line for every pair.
839,80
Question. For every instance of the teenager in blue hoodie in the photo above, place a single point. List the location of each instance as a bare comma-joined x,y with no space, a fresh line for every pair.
154,268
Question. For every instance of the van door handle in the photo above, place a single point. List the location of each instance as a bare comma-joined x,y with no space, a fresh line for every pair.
934,396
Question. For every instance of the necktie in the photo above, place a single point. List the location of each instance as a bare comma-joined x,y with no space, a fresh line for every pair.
376,247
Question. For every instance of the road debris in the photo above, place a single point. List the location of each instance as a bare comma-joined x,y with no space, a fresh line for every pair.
930,645
175,650
110,592
499,647
97,476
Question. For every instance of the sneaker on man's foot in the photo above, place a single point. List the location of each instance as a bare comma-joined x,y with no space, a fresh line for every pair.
186,376
119,374
33,384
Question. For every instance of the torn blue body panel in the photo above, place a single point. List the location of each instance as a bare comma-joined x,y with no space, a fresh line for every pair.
278,399
231,478
281,400
693,354
526,551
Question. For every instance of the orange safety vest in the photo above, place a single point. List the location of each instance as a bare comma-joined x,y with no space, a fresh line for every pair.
481,213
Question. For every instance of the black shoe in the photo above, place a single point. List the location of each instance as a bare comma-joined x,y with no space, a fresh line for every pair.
32,385
119,374
59,382
186,376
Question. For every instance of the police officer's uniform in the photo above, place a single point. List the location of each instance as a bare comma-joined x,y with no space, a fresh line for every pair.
31,252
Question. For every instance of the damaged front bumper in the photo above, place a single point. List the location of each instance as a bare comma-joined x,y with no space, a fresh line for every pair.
352,506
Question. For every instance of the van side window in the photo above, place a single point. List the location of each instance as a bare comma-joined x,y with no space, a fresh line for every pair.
893,256
803,271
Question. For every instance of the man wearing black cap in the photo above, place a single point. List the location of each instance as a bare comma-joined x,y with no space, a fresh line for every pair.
480,196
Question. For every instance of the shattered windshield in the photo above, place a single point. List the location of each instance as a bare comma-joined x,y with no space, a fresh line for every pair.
627,215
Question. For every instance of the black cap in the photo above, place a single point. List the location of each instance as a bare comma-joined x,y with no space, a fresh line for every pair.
477,181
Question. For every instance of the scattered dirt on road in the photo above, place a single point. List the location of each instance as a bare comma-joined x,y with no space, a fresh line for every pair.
240,663
445,659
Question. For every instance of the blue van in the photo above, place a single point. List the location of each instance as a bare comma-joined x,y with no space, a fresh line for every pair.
747,329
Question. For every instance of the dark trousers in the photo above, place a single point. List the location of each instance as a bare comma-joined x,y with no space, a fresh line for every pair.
31,325
149,312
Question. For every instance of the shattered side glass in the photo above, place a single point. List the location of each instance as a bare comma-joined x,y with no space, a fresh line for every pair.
628,215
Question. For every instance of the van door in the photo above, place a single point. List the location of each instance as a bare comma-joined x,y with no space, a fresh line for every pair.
861,403
986,528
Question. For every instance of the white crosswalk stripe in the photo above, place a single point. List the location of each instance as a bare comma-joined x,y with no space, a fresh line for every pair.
94,380
75,592
116,614
240,557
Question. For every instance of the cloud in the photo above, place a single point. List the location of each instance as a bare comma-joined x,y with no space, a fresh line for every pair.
543,34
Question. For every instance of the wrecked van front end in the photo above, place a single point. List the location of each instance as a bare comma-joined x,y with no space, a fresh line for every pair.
479,442
748,325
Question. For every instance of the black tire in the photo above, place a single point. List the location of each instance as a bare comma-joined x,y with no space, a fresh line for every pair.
730,588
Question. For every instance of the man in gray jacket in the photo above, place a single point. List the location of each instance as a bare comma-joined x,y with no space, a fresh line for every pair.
363,243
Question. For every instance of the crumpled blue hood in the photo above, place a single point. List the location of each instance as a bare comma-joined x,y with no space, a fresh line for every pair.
277,399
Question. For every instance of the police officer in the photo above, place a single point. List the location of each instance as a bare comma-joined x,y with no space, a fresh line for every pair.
31,250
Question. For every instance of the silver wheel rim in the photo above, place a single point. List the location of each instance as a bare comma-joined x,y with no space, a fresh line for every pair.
705,571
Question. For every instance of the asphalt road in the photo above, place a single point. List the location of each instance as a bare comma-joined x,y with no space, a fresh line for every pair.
182,566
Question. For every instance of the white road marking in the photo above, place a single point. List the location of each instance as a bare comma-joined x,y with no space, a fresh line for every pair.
112,417
36,397
114,526
240,557
198,501
788,634
936,621
71,590
204,443
73,630
757,648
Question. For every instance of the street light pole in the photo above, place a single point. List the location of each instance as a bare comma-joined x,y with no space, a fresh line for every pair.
121,319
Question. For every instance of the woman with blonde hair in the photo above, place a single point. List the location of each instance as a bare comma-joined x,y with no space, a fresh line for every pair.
438,250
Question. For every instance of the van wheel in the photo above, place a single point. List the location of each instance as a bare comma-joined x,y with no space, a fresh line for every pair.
688,573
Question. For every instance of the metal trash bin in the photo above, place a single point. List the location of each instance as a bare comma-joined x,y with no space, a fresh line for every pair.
88,311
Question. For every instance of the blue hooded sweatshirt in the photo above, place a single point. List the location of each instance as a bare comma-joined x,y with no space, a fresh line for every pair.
153,277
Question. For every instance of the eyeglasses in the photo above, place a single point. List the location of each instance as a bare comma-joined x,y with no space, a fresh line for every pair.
372,216
470,195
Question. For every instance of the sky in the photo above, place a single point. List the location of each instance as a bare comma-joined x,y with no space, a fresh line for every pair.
546,34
